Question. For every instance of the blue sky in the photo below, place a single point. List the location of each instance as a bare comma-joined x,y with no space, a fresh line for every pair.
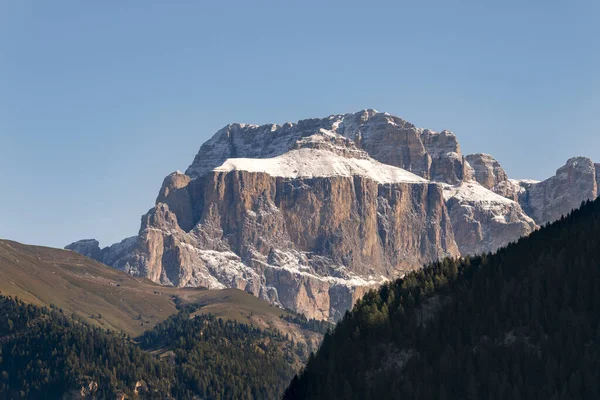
99,101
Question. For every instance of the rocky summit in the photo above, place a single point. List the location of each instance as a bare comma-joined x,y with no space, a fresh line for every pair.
310,215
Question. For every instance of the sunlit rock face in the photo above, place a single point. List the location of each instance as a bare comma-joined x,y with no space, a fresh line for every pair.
311,229
487,171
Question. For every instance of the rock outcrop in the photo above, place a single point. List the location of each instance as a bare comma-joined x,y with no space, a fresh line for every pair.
88,247
110,255
575,182
483,221
310,215
486,170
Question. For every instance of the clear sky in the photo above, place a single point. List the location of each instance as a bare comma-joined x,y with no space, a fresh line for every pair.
100,100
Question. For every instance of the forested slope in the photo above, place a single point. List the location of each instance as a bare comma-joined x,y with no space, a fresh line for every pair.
521,323
46,354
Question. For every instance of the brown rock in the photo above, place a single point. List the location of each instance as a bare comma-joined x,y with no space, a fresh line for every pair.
487,171
308,244
174,193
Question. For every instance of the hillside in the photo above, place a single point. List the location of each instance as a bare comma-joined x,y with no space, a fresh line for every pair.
76,284
521,323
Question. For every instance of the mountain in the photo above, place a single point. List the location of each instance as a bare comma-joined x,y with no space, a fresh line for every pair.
521,323
311,215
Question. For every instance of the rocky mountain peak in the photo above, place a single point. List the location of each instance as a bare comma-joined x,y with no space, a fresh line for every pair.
386,138
582,165
310,215
573,183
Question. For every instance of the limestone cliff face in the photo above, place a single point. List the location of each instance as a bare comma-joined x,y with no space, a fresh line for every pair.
447,163
310,215
310,244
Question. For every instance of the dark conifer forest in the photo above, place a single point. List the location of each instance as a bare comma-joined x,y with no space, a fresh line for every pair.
45,354
523,323
221,359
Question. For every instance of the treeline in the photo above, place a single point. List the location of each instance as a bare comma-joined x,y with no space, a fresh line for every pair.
523,323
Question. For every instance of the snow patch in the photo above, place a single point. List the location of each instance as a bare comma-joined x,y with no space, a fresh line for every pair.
524,181
473,192
312,163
